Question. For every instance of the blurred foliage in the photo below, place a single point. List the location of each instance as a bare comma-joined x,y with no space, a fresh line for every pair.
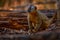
1,3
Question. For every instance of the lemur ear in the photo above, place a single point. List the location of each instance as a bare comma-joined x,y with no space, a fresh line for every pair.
31,8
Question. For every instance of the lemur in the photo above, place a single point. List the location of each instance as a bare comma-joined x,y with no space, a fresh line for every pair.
37,20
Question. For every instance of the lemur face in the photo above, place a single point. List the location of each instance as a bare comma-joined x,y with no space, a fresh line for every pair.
32,8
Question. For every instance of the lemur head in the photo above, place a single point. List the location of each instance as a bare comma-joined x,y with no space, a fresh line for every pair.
32,8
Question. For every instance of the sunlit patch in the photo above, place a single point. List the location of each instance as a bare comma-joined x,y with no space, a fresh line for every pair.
11,9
